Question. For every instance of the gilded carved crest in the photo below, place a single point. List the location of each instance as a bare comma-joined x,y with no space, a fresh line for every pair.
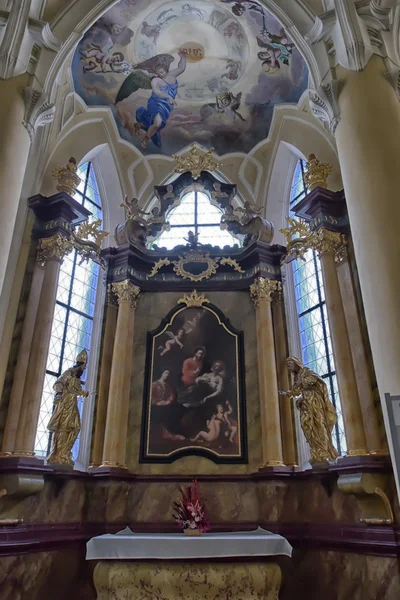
195,265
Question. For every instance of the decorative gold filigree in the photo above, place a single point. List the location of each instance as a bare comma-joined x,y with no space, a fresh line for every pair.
193,299
264,288
163,262
296,226
231,262
126,291
196,161
67,177
195,257
322,240
93,230
59,245
316,173
54,247
65,423
89,249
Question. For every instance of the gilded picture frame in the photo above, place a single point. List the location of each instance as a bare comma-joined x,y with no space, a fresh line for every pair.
194,390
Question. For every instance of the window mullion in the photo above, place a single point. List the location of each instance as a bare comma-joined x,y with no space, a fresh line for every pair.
86,180
328,361
195,214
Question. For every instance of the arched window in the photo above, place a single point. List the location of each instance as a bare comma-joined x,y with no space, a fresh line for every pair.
74,310
195,213
315,337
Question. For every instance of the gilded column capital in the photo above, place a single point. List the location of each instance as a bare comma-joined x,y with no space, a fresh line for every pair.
324,241
126,291
301,238
54,247
264,288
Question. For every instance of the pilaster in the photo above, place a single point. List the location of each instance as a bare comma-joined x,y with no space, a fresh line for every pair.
262,291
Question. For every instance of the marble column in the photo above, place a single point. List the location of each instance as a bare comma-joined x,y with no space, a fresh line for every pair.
51,251
328,242
111,314
286,405
116,431
373,433
14,151
367,139
21,367
261,292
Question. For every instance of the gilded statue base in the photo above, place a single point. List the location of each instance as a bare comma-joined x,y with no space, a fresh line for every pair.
174,580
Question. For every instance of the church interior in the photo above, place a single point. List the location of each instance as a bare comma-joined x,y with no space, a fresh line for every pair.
199,299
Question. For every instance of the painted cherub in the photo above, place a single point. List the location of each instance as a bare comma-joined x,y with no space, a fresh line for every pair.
172,341
232,427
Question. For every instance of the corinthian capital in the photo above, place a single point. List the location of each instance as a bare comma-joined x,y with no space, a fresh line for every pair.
126,291
325,241
54,247
263,288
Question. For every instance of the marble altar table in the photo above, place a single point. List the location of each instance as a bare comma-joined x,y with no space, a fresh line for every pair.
178,567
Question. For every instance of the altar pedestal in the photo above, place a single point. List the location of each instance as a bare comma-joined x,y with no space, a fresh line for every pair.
175,567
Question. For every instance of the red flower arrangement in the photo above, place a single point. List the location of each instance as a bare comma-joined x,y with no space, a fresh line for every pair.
190,512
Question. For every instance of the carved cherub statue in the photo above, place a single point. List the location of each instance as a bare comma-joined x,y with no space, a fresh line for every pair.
132,211
218,193
249,212
317,413
135,229
65,423
250,224
192,239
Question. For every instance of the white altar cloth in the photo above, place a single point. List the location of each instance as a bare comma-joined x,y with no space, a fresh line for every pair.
127,545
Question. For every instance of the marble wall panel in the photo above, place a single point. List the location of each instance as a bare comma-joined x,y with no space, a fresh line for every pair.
113,501
312,575
55,575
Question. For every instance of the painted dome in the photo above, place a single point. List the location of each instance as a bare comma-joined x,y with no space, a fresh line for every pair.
177,72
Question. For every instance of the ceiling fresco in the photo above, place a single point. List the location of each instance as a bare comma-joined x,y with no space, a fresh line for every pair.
173,73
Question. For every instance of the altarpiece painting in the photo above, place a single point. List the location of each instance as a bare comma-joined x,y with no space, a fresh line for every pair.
194,388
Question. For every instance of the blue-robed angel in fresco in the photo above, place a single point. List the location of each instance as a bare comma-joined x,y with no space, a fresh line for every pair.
151,74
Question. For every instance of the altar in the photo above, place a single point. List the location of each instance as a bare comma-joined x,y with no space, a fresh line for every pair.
178,567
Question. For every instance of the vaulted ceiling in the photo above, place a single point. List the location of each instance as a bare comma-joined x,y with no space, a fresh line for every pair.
175,72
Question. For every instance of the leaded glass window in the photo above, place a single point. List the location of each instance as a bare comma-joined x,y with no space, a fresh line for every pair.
73,315
195,213
315,336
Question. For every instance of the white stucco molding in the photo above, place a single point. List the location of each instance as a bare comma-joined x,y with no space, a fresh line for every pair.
38,110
